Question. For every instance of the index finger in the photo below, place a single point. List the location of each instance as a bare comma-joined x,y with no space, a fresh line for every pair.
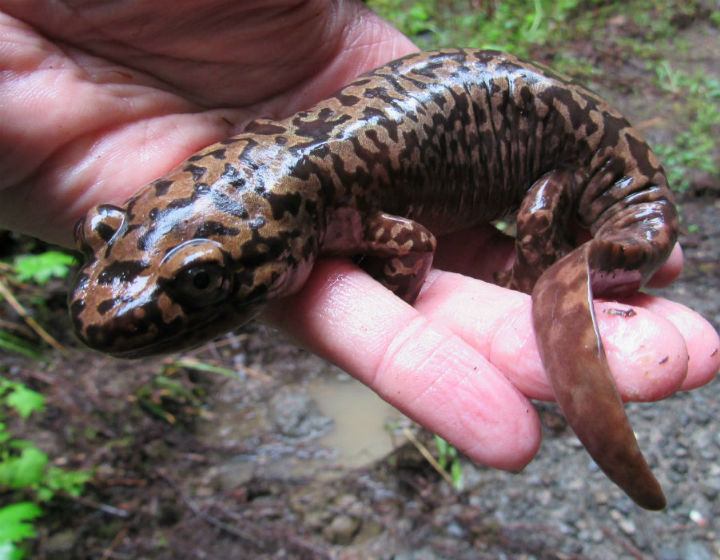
415,363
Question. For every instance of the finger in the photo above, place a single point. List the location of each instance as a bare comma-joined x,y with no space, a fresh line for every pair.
702,340
669,271
646,351
415,364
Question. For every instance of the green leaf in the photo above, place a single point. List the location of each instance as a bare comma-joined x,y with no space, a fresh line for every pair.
16,344
202,366
24,400
8,551
14,522
174,388
446,452
71,482
44,494
25,470
456,473
40,268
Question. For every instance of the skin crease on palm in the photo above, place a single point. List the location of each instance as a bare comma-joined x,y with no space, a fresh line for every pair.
99,98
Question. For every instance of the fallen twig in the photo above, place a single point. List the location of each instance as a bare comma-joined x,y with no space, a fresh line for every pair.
105,508
428,456
20,310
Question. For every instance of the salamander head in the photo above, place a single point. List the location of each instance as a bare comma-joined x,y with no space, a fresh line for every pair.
163,275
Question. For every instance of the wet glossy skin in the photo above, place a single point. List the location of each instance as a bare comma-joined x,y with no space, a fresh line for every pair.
432,142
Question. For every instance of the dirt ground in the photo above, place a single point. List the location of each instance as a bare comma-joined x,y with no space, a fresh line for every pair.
195,465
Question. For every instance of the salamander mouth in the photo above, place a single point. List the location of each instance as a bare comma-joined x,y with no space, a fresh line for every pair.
166,346
127,343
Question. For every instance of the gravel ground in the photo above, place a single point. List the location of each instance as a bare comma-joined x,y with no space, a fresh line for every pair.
562,506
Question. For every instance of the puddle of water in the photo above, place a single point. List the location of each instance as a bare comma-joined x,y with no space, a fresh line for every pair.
360,434
358,437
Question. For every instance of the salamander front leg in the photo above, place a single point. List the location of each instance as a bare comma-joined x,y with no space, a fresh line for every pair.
398,252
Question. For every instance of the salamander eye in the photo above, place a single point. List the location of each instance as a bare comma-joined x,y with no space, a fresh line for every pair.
200,284
195,274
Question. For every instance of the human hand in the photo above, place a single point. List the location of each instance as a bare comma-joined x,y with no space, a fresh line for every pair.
127,92
101,98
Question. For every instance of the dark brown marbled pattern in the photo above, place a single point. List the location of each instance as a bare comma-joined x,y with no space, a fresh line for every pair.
432,142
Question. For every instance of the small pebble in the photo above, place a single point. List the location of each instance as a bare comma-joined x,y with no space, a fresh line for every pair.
341,530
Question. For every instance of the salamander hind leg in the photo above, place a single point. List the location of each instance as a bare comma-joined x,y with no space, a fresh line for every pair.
561,281
398,252
573,356
541,230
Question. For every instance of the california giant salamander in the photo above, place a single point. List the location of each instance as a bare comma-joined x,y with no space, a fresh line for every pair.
426,144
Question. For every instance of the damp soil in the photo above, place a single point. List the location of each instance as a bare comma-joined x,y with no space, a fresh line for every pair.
293,459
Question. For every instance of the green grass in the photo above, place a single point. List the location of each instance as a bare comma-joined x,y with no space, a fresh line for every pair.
694,149
518,26
12,343
29,273
27,478
522,27
447,458
510,25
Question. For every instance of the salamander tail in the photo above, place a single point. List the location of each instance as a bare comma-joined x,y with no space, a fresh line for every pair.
573,355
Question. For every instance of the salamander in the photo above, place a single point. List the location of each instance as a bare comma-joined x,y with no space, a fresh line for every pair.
427,144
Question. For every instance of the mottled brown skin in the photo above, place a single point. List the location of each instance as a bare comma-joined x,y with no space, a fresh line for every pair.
432,142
